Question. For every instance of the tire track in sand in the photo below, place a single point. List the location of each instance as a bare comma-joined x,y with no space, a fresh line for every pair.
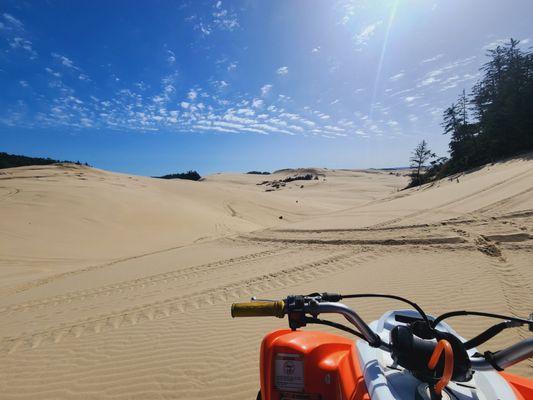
516,292
52,278
10,192
454,201
183,303
515,288
185,273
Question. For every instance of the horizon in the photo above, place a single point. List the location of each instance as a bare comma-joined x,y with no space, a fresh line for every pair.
239,86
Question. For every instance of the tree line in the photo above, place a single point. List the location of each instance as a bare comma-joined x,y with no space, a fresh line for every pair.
190,175
492,122
14,160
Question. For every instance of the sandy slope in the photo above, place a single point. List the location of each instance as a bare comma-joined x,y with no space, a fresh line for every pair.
117,286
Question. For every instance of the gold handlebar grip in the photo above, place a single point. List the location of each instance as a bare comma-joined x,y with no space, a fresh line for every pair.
258,309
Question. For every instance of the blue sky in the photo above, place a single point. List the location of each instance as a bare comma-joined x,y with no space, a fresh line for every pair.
151,87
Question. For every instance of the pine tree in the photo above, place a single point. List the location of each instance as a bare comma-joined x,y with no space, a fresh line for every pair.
494,121
420,156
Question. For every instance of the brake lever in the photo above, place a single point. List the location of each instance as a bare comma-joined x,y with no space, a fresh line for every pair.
331,297
326,296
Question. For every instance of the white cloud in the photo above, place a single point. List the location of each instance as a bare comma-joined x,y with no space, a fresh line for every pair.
52,72
20,43
333,128
453,81
410,99
257,103
11,20
501,42
439,75
265,89
365,34
282,71
192,95
436,112
396,77
205,29
246,111
141,86
86,122
65,61
219,18
224,19
435,58
139,108
494,44
428,81
221,84
316,49
214,128
349,10
171,57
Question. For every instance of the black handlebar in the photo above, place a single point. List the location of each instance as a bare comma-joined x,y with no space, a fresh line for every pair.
411,344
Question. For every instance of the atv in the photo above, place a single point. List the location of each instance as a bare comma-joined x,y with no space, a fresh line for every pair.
406,354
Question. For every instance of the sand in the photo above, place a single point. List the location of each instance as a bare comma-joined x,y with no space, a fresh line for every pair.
116,286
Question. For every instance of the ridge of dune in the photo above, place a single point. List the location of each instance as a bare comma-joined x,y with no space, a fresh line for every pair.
71,215
491,189
119,286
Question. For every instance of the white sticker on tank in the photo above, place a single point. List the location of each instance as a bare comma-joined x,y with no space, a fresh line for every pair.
289,372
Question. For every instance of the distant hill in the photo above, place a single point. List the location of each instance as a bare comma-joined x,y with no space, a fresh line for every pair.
13,160
392,168
190,175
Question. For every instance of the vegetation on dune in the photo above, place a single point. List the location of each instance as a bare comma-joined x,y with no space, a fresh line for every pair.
13,160
190,175
492,122
306,177
279,183
258,173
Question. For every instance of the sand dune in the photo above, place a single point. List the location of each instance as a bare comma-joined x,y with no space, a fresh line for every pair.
117,286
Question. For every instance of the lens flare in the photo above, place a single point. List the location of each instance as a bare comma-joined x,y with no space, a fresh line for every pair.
392,16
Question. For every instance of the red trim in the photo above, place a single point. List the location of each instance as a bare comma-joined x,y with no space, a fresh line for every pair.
523,387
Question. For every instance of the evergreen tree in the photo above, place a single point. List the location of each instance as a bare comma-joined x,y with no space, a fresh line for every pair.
502,107
503,102
420,156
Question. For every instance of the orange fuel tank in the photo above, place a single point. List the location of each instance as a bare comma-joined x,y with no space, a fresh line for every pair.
308,365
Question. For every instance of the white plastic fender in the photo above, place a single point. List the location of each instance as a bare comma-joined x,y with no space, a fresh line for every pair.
386,381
